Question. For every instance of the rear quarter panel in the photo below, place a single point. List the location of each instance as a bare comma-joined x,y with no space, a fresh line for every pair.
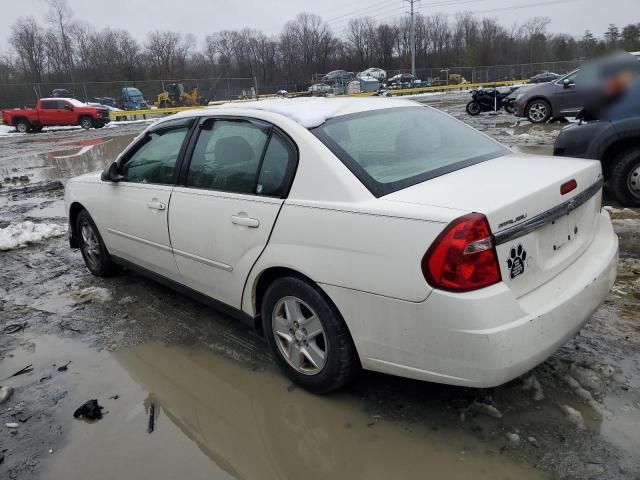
350,248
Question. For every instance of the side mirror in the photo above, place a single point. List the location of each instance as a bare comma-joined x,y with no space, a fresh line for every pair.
566,83
68,107
111,174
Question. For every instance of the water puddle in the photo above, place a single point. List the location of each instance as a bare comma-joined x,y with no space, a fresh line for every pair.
77,158
216,419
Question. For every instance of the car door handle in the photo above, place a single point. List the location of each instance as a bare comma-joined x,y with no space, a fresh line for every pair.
245,221
156,205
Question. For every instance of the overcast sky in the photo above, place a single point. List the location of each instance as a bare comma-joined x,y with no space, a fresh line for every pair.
202,17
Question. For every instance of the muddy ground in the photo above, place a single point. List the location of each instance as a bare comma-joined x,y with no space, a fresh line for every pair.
189,393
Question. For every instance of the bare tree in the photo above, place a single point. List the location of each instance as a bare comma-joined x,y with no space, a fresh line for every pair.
27,39
60,15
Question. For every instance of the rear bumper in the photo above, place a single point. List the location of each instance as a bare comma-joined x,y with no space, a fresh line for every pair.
483,338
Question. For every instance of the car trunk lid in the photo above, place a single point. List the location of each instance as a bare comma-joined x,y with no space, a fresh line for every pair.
539,230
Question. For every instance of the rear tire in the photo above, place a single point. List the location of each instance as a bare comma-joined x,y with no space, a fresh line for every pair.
473,108
94,252
538,111
307,336
86,123
624,178
23,126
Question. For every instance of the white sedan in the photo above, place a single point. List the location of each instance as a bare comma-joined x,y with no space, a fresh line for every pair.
358,233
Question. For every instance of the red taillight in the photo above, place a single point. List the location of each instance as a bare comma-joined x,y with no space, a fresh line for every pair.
463,257
570,186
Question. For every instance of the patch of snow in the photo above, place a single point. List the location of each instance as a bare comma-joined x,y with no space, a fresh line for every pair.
531,383
21,234
90,294
487,409
573,415
6,130
308,112
426,94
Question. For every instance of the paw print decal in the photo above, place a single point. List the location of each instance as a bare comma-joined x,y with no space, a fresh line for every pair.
516,261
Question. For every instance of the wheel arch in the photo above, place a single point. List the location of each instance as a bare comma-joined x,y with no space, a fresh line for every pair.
17,118
615,148
269,275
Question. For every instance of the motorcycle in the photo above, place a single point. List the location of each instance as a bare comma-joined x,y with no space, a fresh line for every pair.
491,100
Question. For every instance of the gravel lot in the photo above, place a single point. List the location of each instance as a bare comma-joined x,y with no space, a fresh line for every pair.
188,392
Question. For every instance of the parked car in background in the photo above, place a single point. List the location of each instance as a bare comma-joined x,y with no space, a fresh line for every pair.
338,77
614,139
544,77
56,111
549,100
320,89
62,93
566,96
377,73
401,78
132,99
437,254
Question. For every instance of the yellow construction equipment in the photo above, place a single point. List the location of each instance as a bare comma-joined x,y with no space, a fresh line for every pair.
175,96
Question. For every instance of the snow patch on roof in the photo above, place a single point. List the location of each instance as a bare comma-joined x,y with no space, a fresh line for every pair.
308,112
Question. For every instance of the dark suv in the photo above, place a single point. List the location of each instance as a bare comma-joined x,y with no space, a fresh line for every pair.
614,140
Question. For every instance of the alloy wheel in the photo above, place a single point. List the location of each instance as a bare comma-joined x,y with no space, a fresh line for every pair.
90,245
633,181
299,335
537,112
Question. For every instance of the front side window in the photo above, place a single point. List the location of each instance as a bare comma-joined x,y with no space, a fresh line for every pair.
393,148
227,156
155,160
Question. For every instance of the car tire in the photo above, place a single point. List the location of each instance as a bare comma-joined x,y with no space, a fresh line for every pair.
538,111
86,123
624,178
94,252
307,336
23,126
511,106
473,108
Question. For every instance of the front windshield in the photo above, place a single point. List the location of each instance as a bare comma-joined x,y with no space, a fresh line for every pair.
392,148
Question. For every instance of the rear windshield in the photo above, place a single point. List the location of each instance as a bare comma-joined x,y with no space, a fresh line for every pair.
393,148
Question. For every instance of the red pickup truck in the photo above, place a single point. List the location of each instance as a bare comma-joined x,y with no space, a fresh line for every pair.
55,111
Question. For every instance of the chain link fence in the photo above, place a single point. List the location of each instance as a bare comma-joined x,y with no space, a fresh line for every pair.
231,88
490,73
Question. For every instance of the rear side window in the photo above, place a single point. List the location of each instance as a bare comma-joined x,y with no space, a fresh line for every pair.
155,160
49,104
273,171
393,148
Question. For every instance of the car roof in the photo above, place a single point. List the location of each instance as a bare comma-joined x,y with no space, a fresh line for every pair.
57,98
309,112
